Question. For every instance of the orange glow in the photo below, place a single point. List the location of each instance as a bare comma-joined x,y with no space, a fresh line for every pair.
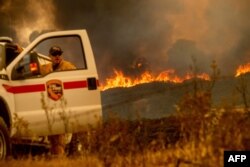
242,69
121,80
33,67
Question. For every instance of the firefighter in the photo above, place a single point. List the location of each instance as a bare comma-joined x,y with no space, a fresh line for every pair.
58,63
58,142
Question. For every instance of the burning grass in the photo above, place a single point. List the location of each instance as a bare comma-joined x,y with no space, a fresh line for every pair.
121,80
196,135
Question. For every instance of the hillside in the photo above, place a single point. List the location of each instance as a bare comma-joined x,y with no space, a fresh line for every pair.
158,99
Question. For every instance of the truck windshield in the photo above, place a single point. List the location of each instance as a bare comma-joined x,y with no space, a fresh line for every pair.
11,53
1,57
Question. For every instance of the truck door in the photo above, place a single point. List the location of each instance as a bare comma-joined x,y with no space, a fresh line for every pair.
55,102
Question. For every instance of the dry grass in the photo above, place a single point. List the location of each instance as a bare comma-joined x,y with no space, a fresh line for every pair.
196,135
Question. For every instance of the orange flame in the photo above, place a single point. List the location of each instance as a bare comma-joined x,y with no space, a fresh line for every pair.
242,69
121,80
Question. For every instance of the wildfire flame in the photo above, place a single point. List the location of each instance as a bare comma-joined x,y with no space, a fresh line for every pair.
121,80
242,69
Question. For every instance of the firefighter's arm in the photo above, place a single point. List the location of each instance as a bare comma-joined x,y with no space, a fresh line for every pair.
45,69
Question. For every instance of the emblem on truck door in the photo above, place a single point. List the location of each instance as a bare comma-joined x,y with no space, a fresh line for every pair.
54,89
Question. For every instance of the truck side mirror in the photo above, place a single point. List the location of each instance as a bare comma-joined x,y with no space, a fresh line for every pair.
27,67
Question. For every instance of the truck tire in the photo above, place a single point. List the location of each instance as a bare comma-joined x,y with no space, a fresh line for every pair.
5,146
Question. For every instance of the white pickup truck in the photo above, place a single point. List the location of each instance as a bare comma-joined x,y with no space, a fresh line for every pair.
33,105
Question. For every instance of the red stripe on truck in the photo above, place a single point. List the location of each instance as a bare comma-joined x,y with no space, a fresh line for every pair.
75,84
41,87
24,88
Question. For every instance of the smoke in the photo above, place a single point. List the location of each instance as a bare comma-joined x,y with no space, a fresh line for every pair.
166,33
23,18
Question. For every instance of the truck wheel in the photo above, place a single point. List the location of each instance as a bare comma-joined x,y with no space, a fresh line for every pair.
4,140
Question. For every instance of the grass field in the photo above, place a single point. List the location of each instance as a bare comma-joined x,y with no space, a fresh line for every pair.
196,135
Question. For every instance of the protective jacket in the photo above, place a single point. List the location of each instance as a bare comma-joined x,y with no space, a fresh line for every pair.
64,65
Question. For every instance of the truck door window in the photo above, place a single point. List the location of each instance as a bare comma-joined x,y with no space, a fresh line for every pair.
71,47
40,55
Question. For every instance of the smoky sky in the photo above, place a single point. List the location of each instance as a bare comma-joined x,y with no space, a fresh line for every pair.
120,31
164,33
